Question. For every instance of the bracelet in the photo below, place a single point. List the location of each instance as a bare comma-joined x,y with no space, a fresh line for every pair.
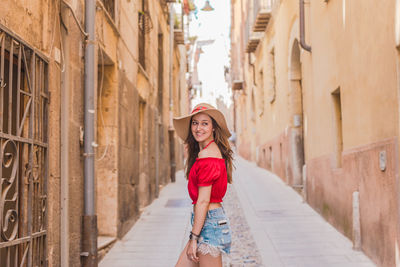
193,236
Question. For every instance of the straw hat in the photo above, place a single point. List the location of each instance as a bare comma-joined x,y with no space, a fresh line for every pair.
182,126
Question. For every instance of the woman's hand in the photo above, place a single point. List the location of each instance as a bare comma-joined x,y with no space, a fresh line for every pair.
191,251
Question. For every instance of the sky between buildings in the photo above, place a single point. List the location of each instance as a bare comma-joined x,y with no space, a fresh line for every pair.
213,25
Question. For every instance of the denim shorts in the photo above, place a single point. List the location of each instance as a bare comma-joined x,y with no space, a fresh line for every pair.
215,237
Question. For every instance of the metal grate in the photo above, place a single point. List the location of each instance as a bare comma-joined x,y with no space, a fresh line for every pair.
23,153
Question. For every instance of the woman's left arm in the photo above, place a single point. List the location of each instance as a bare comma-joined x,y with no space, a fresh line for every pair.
200,213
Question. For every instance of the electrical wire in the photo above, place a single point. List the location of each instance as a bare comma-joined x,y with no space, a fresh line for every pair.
61,51
76,19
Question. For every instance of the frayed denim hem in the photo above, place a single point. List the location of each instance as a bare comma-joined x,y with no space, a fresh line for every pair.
204,249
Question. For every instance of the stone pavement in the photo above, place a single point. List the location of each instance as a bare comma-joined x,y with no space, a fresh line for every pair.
244,251
271,226
158,236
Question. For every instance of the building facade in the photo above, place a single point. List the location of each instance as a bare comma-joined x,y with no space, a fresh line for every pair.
140,69
316,102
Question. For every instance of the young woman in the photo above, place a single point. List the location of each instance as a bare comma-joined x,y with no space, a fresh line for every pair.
208,170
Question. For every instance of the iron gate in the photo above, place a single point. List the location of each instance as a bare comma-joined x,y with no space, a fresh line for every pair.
23,153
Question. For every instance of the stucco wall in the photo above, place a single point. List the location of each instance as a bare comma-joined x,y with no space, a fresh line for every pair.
355,56
330,190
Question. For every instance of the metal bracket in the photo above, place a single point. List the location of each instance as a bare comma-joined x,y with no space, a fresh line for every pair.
85,254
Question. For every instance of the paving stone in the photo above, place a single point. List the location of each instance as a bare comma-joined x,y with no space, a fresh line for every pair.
244,251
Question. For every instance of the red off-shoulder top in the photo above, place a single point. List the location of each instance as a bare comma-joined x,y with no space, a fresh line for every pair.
206,172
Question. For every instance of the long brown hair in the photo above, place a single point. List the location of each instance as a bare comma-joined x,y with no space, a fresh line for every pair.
222,142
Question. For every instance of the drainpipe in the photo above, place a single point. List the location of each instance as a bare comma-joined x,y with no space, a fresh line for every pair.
171,102
64,142
397,38
302,31
89,238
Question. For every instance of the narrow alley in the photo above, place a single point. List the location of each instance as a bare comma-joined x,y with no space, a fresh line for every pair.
106,106
271,226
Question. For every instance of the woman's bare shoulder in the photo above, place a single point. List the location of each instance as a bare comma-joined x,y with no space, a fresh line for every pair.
210,152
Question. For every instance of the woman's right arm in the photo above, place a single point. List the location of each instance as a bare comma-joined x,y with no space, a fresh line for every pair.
200,213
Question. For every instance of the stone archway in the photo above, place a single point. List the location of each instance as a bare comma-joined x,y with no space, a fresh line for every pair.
296,114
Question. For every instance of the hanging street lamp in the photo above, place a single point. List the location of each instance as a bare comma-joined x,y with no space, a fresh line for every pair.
207,6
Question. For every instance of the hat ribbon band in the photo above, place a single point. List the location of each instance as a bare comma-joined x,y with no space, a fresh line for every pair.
198,108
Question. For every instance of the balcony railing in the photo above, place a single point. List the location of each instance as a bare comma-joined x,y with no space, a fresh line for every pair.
262,14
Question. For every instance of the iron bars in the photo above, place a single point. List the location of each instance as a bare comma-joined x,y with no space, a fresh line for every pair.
23,153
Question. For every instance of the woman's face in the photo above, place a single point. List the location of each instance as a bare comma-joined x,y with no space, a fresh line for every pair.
202,127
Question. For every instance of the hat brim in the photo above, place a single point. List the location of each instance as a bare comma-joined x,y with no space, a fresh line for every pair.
182,127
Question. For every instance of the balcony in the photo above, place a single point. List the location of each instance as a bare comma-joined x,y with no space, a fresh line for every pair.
256,23
262,14
252,44
251,38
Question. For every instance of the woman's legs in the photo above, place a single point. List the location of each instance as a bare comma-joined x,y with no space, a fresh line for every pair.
210,261
183,260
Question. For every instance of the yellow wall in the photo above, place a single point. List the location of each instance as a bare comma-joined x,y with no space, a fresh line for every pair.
354,50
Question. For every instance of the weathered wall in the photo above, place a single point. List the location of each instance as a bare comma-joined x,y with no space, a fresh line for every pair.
329,191
278,160
37,23
144,98
355,55
131,111
343,136
107,126
128,164
76,158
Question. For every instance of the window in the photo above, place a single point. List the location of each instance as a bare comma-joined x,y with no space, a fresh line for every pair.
24,101
253,106
145,25
272,78
261,92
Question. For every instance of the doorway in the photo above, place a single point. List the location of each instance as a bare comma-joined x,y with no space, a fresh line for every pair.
296,112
